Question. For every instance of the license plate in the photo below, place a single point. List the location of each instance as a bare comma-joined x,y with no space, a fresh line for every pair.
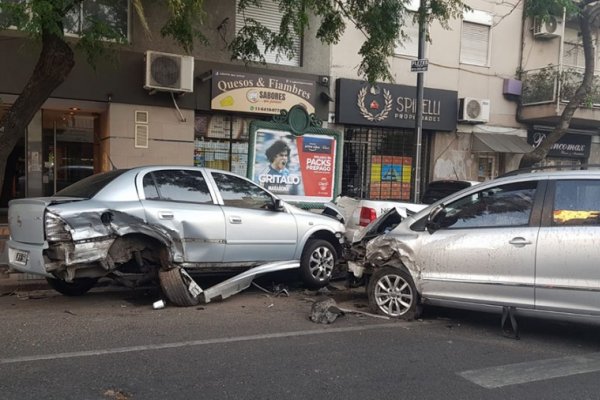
21,257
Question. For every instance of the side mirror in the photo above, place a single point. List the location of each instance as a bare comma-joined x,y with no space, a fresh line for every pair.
434,217
277,204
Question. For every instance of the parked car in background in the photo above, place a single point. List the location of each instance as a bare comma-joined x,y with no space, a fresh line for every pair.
161,221
359,213
527,241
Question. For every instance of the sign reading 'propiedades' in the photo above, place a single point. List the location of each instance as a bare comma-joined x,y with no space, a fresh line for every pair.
260,94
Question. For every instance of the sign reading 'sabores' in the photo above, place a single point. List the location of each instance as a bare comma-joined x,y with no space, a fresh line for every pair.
381,104
259,94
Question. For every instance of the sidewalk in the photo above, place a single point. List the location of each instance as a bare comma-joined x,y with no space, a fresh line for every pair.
15,282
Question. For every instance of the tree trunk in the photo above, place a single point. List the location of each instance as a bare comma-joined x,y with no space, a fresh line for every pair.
584,89
54,64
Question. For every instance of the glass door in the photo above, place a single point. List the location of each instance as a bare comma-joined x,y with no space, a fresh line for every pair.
68,148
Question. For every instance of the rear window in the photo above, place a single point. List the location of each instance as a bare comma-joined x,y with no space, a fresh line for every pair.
88,187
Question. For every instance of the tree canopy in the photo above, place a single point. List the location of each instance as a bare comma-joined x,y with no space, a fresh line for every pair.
586,13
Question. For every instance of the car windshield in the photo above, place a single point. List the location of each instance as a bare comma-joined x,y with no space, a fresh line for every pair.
88,187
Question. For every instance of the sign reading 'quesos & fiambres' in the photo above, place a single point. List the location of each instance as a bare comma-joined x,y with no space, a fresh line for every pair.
259,94
381,104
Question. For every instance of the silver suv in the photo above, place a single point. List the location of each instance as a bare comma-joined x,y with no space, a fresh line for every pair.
161,221
529,241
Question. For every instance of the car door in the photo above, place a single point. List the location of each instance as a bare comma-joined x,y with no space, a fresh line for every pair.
567,275
180,201
255,231
484,249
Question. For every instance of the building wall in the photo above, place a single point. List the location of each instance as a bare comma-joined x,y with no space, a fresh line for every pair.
170,140
450,155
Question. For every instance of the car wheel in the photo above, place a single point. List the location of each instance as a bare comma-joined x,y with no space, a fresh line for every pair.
177,285
78,287
317,262
392,292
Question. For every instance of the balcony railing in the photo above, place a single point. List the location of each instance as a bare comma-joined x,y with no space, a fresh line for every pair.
546,85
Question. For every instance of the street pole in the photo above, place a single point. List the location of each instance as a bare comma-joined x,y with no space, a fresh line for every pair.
419,115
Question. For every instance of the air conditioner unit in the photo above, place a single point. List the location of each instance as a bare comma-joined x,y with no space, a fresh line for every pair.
169,72
473,110
549,29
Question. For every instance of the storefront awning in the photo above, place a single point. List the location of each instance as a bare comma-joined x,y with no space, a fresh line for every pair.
499,143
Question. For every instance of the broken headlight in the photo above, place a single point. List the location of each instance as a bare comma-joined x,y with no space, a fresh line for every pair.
56,229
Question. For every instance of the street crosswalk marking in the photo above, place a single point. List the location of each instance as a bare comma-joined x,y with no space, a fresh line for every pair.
533,371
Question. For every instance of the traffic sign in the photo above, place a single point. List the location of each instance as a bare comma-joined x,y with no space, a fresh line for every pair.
419,65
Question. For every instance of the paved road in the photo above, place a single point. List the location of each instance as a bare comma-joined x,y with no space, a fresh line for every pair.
111,344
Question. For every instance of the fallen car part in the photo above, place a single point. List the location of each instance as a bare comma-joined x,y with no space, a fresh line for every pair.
325,311
179,287
242,281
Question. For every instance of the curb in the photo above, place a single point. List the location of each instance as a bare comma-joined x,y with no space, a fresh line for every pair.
11,285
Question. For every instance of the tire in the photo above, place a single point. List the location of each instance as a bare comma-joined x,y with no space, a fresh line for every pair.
392,292
317,262
174,283
78,287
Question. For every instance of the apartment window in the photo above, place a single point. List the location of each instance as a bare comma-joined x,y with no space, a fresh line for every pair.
113,13
269,16
409,46
475,38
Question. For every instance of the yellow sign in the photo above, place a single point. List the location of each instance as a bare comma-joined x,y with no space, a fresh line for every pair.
260,94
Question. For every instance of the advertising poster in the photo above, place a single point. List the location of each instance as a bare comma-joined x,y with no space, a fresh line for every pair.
390,177
296,168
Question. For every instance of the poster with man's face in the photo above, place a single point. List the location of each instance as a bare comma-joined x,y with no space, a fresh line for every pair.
297,168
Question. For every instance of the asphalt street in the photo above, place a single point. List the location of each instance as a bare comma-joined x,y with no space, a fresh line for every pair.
111,344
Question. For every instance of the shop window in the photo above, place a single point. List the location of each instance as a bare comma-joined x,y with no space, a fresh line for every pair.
486,168
475,38
222,142
268,15
378,163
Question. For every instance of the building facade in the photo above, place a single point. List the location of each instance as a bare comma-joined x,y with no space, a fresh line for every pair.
154,104
472,127
116,115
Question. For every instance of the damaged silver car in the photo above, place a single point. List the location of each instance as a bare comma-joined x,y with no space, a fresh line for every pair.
528,242
159,222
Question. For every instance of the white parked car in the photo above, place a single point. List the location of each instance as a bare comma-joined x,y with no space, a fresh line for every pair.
359,213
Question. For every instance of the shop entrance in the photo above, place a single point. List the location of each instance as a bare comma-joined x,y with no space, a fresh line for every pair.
67,148
378,163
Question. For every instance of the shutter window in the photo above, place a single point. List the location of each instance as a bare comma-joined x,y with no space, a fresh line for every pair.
474,43
573,55
269,15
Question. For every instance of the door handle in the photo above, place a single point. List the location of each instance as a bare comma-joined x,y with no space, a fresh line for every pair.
519,242
165,215
235,220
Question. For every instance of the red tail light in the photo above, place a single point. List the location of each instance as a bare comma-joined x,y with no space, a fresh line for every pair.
367,215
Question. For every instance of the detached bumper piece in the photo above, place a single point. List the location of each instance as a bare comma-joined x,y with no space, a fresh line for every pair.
181,289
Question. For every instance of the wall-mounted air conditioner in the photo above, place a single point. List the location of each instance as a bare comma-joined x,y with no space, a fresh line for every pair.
473,110
549,29
169,72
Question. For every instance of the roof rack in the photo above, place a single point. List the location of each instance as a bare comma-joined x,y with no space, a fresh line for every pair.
570,167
